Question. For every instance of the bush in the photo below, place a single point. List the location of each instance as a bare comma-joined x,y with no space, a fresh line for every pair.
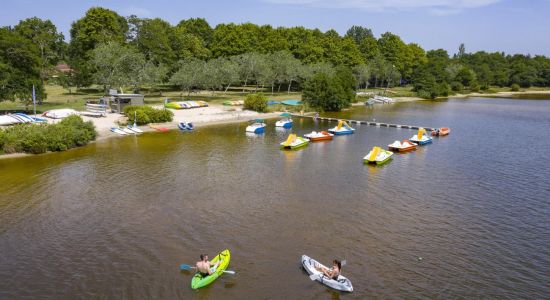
39,138
328,93
146,114
457,86
256,102
474,87
514,87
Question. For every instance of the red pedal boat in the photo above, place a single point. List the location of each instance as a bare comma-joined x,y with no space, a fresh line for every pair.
315,136
405,146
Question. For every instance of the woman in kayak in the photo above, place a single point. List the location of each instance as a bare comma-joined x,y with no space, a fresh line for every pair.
333,272
203,266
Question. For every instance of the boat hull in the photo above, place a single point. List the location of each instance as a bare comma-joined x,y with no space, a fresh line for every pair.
341,132
342,284
199,281
378,162
402,150
320,139
422,143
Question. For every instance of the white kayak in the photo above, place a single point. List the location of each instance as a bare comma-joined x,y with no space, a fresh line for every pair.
135,129
342,284
118,130
60,113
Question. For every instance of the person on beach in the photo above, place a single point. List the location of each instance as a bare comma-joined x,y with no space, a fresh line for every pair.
333,272
203,266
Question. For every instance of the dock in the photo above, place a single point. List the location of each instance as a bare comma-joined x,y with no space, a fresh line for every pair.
377,124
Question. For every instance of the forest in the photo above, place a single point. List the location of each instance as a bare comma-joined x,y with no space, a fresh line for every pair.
112,51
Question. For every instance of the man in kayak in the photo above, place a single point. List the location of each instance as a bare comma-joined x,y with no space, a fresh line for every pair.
333,272
203,266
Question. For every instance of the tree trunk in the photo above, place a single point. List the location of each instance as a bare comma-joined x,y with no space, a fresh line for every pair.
245,82
289,85
279,89
272,86
227,88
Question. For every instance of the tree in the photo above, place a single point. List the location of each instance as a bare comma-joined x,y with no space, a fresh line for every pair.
369,48
98,26
461,51
249,65
153,40
117,65
362,75
50,42
359,33
466,76
394,50
329,93
188,74
187,45
227,72
19,67
199,28
154,75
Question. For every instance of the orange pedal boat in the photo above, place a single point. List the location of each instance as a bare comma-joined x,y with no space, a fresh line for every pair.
405,146
441,131
315,136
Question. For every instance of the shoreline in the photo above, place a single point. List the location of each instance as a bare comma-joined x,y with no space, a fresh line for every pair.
219,115
505,94
204,116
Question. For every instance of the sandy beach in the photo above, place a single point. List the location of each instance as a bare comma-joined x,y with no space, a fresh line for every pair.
203,116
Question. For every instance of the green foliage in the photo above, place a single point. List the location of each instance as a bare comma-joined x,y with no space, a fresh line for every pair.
192,54
32,138
457,86
256,102
329,93
359,33
19,66
117,65
514,87
43,34
199,28
146,114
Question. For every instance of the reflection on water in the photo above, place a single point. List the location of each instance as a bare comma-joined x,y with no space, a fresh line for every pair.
116,219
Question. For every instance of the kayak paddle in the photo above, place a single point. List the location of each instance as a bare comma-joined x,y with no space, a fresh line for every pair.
188,267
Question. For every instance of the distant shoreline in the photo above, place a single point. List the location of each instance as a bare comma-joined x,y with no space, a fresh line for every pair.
492,95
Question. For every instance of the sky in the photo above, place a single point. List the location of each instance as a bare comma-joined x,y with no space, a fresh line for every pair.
510,26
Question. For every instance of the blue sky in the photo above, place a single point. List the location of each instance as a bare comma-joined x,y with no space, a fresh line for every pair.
512,26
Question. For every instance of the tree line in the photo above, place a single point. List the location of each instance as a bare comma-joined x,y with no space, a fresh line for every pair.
108,49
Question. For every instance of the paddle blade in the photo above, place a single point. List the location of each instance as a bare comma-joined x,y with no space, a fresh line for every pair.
344,262
313,276
185,267
229,272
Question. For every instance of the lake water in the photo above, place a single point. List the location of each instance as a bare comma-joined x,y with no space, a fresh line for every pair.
465,217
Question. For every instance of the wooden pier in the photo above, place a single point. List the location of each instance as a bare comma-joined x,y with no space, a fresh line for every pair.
377,124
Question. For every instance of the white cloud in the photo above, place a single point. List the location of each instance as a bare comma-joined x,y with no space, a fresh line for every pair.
436,7
138,11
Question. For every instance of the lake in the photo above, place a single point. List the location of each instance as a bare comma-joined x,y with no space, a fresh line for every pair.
465,217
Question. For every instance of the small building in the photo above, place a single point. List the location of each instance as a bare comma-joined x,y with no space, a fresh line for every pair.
117,101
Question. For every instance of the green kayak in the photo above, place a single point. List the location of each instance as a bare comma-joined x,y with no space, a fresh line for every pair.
199,281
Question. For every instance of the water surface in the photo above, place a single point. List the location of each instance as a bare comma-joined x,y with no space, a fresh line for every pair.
115,219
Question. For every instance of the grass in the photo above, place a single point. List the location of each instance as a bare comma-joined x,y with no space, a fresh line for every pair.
59,97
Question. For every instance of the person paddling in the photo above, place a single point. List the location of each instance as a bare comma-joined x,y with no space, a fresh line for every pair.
333,272
203,266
